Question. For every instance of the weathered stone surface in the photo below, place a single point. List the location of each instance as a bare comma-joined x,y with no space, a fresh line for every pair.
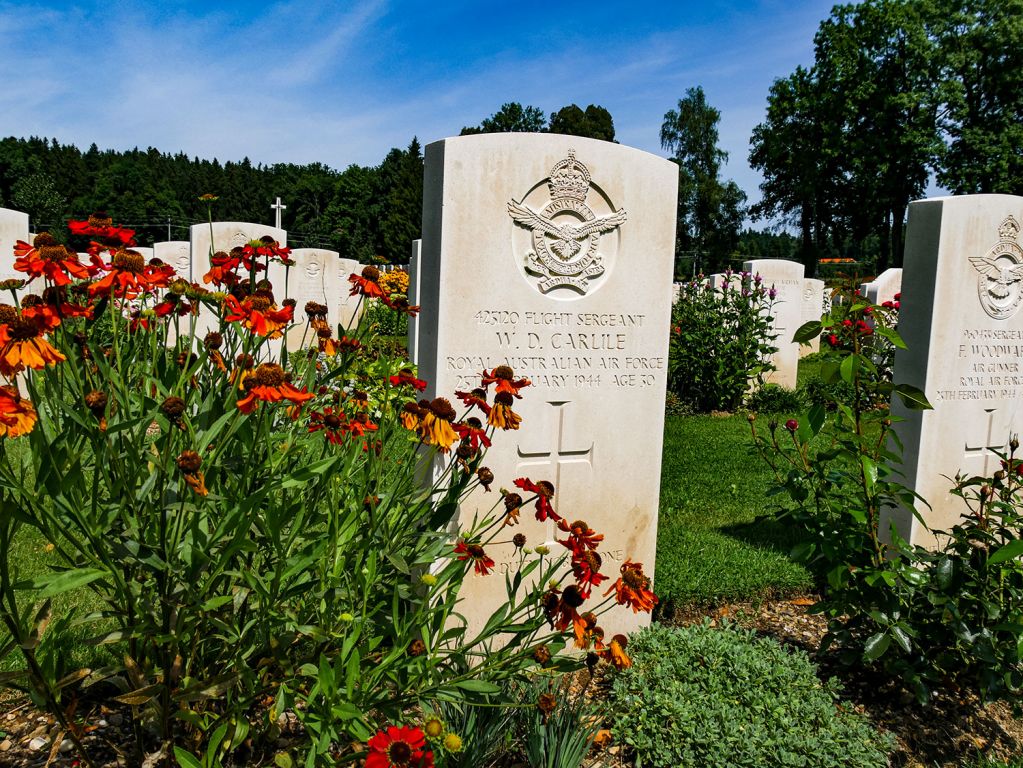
786,277
960,318
813,299
569,283
414,271
351,307
884,287
177,253
315,277
13,227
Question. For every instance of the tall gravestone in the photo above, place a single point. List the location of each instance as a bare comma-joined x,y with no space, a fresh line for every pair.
350,308
553,255
813,299
786,277
177,253
13,227
415,270
225,236
961,321
314,277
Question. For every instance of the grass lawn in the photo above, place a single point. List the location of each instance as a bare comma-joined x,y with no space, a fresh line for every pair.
709,547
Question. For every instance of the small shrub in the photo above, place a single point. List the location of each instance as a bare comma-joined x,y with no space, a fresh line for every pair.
702,696
771,398
720,342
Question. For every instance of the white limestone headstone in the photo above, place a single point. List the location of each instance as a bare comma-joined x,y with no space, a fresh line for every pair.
313,278
350,308
962,324
884,287
581,312
786,277
225,236
415,269
13,227
813,299
177,253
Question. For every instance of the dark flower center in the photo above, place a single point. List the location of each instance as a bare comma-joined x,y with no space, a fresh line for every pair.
399,753
129,261
21,329
269,375
635,579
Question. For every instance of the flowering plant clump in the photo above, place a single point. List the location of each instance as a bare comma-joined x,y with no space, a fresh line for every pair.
721,341
249,521
928,617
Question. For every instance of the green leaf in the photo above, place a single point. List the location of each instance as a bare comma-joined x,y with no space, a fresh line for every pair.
186,759
807,332
1009,551
477,686
902,639
816,418
891,335
914,399
869,473
875,646
55,583
848,368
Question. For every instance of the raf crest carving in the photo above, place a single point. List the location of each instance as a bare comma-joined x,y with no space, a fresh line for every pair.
1001,272
566,232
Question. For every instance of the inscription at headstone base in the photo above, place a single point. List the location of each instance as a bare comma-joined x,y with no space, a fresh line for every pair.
553,255
786,278
961,321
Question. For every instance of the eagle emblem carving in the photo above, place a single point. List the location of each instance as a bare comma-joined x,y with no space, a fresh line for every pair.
1000,284
565,232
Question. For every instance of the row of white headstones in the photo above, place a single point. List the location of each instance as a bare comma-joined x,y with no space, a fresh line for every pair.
799,300
554,255
318,275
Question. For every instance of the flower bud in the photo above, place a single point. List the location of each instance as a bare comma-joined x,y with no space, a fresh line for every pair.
791,425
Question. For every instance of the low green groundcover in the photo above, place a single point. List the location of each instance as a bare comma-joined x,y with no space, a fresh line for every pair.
707,696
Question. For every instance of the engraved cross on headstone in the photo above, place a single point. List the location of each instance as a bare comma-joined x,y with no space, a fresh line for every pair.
277,208
558,459
978,455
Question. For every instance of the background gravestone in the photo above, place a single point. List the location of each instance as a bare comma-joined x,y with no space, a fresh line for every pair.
177,253
350,307
13,227
786,277
414,271
553,254
813,300
961,321
884,287
313,278
226,235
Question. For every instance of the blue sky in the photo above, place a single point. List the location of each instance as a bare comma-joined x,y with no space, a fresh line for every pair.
343,82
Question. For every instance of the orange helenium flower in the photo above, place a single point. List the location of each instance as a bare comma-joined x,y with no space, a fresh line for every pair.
23,345
128,275
46,259
259,315
17,415
504,378
501,415
481,562
366,284
435,427
268,383
633,588
398,747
